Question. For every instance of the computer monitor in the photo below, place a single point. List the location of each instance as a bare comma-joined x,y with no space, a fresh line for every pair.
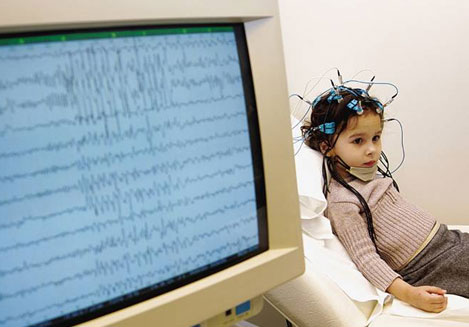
145,162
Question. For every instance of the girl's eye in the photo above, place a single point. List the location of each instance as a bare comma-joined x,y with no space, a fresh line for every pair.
357,141
376,138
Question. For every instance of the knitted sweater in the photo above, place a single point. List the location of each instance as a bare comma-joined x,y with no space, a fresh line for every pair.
400,227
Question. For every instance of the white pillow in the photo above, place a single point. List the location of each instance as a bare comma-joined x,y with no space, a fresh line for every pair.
310,182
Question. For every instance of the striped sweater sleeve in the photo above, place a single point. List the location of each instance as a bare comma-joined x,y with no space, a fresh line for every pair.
351,229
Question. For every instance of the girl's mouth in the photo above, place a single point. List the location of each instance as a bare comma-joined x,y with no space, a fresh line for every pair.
369,163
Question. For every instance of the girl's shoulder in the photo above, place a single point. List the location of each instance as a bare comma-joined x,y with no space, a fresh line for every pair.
371,191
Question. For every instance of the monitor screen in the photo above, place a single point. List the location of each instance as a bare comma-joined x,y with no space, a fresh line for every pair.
130,164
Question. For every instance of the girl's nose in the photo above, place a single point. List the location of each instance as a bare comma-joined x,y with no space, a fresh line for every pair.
371,149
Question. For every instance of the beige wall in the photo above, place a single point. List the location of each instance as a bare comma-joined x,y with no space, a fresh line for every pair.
422,47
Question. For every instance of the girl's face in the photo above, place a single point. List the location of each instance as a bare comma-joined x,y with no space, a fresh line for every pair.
359,145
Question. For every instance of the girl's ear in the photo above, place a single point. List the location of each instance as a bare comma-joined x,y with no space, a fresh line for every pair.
324,147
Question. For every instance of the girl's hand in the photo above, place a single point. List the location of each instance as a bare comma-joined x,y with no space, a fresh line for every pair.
428,298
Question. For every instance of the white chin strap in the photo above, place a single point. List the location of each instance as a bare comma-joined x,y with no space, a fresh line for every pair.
365,174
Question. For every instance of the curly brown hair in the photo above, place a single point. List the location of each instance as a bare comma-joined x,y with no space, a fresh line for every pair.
326,111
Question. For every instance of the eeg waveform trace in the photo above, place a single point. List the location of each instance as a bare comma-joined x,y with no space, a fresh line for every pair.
124,162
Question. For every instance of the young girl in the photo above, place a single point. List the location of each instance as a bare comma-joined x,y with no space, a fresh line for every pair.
398,247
